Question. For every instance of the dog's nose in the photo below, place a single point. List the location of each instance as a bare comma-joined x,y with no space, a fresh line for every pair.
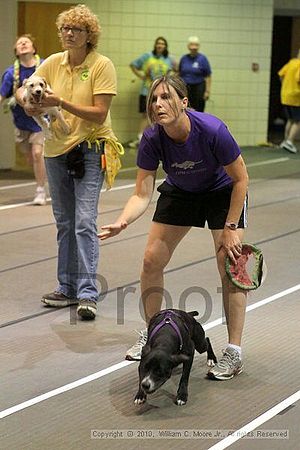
38,91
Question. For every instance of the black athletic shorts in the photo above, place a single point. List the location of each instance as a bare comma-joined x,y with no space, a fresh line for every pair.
142,103
292,113
195,96
189,209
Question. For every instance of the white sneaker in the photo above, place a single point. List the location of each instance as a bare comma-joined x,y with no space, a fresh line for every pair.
40,197
134,144
134,353
289,146
229,365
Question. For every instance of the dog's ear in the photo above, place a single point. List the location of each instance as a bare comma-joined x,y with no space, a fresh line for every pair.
145,351
44,81
178,359
24,82
48,89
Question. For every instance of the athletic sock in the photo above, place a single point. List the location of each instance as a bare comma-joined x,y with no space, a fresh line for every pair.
235,347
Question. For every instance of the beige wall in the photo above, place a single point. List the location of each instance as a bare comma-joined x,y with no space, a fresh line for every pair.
233,34
287,7
8,30
8,33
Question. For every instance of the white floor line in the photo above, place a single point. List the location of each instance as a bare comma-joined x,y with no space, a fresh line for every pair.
129,169
33,183
17,205
15,186
238,434
117,188
258,163
268,161
120,365
256,305
65,388
120,188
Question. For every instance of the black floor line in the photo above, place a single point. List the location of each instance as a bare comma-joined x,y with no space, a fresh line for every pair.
288,199
39,261
50,224
283,200
136,282
32,316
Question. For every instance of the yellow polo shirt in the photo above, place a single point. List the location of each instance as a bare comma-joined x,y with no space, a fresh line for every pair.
96,75
290,88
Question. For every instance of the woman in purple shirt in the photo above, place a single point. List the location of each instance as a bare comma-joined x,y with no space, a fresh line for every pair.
28,135
206,182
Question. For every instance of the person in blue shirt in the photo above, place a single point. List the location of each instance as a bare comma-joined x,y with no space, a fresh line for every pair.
195,70
28,134
148,67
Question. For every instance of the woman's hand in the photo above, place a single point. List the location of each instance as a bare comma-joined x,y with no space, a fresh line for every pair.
206,95
33,109
50,99
112,230
231,242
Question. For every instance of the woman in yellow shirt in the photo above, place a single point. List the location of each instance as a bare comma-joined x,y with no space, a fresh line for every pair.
83,84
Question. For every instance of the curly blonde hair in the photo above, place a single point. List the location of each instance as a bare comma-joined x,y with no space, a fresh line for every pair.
81,15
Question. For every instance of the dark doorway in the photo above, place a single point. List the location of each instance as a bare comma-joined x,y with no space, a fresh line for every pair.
281,53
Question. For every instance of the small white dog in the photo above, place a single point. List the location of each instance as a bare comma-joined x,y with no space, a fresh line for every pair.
35,89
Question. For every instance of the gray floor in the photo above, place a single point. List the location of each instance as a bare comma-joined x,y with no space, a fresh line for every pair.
45,349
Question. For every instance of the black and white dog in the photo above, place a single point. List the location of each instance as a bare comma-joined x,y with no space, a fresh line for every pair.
173,336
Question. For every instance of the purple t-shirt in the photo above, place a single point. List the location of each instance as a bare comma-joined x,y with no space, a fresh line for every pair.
21,120
197,165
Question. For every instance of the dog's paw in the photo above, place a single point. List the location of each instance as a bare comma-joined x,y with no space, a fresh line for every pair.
180,402
140,398
66,128
181,398
139,401
48,134
210,363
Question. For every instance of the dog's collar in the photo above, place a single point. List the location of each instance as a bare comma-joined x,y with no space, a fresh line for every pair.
167,320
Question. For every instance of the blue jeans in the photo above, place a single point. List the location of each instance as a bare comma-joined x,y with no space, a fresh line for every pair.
74,204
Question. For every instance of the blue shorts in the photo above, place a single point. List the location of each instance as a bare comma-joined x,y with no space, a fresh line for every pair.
189,209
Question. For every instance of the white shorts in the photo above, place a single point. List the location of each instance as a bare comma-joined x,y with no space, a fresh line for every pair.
26,138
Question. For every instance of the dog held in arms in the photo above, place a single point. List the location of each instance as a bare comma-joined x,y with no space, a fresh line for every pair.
34,90
173,336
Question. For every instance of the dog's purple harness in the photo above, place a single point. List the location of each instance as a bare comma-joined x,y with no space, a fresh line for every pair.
167,320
